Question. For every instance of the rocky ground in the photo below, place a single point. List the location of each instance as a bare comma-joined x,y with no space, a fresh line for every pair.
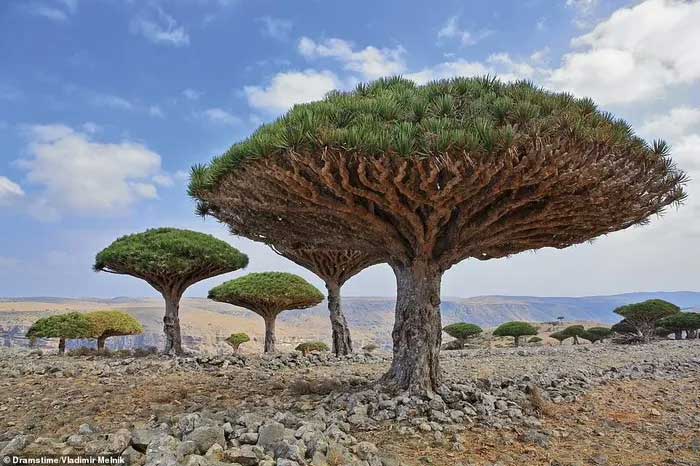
570,405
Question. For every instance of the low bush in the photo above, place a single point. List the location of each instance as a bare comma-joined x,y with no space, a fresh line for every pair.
461,331
309,346
515,329
535,340
235,340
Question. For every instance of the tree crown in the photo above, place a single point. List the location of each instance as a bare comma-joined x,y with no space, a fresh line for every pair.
170,253
237,339
559,336
394,116
647,311
113,323
515,329
573,331
70,325
594,334
462,330
681,321
268,292
623,326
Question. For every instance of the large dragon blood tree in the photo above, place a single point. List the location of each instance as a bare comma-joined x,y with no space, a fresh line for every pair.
427,176
335,267
170,260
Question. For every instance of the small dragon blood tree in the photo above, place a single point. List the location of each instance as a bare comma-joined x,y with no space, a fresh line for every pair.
63,326
170,260
105,324
268,294
425,177
334,268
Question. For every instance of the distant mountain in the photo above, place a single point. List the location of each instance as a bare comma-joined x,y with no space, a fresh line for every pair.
206,322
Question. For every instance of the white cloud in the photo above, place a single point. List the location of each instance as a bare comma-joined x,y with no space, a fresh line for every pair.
111,101
370,62
56,10
80,175
91,127
9,190
672,125
277,28
452,30
192,94
156,111
294,87
639,53
584,6
220,116
500,64
162,29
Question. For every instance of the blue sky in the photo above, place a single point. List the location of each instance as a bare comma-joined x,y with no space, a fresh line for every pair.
106,104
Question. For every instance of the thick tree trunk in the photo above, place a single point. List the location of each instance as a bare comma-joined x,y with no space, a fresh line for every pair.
678,334
691,334
575,339
171,324
417,328
270,338
62,346
342,343
101,343
517,341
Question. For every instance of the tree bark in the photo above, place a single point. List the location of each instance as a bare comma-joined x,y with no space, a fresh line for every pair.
691,334
517,340
171,324
61,346
417,330
270,339
342,343
575,339
101,343
678,334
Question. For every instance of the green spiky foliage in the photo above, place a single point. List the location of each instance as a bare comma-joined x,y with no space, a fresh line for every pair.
559,336
310,346
170,260
267,294
461,331
105,324
515,329
64,327
644,316
395,116
623,327
688,322
574,331
595,334
235,340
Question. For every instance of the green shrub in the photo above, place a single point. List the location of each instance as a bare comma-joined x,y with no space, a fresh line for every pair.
105,324
515,329
595,334
309,346
559,336
535,340
688,322
236,340
573,331
64,327
462,331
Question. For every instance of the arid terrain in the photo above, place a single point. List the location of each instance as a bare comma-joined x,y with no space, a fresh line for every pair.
600,404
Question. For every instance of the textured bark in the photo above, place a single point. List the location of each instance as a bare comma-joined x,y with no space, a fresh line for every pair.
342,343
62,346
678,334
171,324
517,340
417,330
101,343
270,338
576,342
691,334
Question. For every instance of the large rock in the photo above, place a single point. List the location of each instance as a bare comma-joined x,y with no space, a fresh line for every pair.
162,451
16,445
140,438
117,442
270,435
206,436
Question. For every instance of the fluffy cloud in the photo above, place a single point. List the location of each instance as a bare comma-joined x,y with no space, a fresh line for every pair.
161,29
294,87
672,125
79,175
56,10
9,191
275,27
500,64
637,54
370,62
219,116
452,30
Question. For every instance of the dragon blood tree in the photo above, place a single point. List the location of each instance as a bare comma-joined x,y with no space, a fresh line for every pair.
268,294
170,260
105,324
428,176
63,326
334,267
